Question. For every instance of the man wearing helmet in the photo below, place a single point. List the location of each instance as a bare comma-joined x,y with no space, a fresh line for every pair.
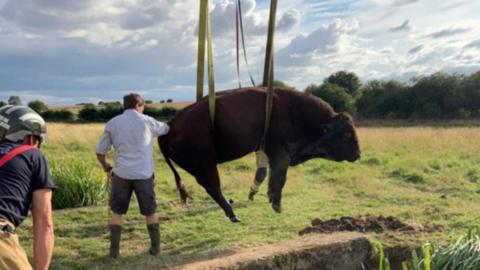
131,135
25,182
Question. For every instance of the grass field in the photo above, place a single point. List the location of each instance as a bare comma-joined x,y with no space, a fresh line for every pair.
422,175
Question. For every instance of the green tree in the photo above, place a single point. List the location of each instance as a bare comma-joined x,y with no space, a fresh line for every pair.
278,83
38,106
14,100
58,116
470,94
348,80
168,112
88,113
385,99
2,103
335,95
436,94
110,110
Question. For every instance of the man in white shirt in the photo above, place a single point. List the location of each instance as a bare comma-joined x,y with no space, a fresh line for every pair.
131,134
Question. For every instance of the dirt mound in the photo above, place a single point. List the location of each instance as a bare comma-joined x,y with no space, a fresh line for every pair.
377,224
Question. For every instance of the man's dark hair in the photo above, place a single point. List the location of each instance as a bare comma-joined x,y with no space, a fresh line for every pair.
131,100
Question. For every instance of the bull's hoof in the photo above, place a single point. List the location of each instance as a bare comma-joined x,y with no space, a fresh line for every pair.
185,198
277,208
234,219
251,195
183,193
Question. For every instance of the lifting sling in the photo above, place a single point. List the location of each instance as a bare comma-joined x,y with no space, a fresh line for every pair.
240,33
268,76
205,33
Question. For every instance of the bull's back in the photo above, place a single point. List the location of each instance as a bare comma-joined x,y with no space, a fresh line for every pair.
237,129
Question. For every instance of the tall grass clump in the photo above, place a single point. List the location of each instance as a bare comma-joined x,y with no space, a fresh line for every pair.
463,254
78,184
383,262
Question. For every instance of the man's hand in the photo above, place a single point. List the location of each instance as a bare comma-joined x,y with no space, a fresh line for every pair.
103,161
43,238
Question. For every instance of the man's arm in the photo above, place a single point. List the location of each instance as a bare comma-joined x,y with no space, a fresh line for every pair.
159,128
102,148
103,161
43,239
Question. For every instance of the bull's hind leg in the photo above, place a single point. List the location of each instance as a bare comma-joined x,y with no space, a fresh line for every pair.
184,196
210,180
261,173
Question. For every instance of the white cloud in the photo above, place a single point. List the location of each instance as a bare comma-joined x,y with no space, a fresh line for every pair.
449,32
327,39
103,47
405,26
404,2
103,34
416,49
289,20
473,44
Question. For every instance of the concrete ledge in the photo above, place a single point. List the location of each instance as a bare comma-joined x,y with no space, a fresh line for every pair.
335,251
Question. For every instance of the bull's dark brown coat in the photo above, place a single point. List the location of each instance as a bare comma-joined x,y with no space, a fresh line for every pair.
302,127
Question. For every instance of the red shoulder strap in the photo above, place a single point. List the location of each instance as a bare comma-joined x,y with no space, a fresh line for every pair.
15,152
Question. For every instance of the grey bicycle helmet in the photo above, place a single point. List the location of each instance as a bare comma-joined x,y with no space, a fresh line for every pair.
16,122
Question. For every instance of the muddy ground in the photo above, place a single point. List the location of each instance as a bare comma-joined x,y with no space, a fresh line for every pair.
374,224
363,224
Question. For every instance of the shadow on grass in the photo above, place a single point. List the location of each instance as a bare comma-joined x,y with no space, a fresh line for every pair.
82,231
166,260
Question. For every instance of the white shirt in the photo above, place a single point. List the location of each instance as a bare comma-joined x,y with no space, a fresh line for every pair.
131,135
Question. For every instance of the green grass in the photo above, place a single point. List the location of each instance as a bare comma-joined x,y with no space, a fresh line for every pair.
420,175
77,184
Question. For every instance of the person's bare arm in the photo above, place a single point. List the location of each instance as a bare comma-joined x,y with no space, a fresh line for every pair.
43,238
103,161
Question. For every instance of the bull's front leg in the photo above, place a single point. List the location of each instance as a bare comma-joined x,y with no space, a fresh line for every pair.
260,174
276,181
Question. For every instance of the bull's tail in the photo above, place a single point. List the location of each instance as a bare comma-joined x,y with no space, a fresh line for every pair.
178,181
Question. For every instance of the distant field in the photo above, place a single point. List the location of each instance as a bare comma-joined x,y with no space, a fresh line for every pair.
76,108
422,175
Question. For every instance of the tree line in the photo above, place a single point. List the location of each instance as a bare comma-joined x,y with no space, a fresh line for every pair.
435,96
90,112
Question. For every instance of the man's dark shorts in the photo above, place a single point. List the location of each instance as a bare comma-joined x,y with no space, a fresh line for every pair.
122,192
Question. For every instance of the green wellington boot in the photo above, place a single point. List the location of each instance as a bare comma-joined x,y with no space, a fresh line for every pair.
154,232
115,234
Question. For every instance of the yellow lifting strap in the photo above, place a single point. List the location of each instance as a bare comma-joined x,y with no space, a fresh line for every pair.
268,71
205,33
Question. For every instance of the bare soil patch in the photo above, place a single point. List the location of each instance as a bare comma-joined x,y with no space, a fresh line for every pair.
376,224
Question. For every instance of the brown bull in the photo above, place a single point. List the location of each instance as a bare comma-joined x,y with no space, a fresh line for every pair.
302,127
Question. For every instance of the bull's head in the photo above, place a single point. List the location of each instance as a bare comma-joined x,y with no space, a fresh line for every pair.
338,141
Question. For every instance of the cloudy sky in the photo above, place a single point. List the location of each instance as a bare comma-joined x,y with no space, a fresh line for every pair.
66,52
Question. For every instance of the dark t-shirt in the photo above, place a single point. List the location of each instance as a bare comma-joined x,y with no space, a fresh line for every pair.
19,178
